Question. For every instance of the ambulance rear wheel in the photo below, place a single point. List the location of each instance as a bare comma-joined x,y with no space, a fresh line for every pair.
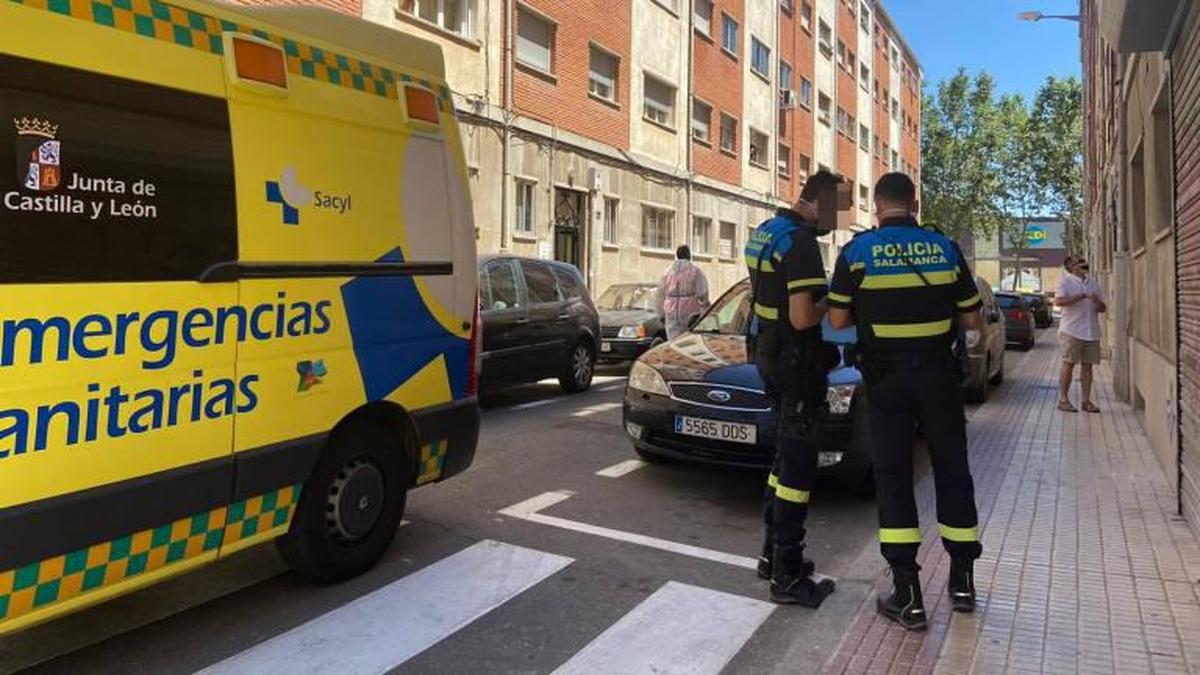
350,506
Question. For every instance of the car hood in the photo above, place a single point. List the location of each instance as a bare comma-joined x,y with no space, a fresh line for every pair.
625,317
719,359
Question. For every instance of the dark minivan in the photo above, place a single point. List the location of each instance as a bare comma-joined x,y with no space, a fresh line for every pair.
538,322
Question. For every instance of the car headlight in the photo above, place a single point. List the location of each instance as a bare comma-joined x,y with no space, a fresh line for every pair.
839,397
644,378
638,331
972,338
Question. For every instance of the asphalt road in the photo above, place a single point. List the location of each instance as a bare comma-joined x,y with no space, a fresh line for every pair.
530,562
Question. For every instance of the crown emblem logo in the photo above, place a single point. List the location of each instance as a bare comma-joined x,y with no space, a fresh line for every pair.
39,154
35,127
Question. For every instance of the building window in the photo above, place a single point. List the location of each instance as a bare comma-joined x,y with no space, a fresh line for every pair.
895,161
805,166
785,75
759,150
525,206
727,246
670,5
805,93
658,226
842,120
841,53
658,101
864,138
702,235
729,34
878,145
785,160
806,12
895,59
602,74
824,37
1137,202
864,196
760,57
895,110
864,76
704,14
1163,181
701,120
875,91
824,108
851,63
864,17
612,219
535,41
456,16
728,133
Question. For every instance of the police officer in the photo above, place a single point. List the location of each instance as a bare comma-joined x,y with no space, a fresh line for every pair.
905,287
788,284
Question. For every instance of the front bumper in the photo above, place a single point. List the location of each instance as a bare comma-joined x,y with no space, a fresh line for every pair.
624,349
653,418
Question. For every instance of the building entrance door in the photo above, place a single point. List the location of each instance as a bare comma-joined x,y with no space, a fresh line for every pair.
570,215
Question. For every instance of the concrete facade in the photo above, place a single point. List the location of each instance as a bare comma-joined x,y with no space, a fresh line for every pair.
606,180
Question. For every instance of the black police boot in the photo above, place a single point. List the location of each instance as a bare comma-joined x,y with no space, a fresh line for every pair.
905,606
962,585
768,555
792,582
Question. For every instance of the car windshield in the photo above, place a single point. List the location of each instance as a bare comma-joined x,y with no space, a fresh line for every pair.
1033,300
628,296
730,313
1008,301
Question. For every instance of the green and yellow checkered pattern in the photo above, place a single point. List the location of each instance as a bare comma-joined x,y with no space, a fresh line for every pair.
433,458
186,28
63,577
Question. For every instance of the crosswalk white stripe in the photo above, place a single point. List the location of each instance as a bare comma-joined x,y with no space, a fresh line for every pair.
385,628
680,629
622,468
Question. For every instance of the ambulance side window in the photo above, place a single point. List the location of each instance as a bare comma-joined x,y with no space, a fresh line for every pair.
108,180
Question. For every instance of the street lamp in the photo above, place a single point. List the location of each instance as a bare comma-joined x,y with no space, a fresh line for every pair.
1038,16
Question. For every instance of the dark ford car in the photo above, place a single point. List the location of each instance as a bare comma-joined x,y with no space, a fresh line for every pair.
629,321
695,398
538,322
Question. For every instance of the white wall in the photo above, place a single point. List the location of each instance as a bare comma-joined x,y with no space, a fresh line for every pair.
759,101
659,47
825,148
866,115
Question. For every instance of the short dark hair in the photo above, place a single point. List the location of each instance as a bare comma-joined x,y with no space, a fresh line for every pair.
1068,262
817,183
895,187
683,252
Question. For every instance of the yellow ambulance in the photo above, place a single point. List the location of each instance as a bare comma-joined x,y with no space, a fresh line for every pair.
237,292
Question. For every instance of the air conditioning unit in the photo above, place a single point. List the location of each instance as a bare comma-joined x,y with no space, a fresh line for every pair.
787,98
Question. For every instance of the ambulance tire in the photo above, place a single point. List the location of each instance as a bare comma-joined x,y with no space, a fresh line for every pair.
350,506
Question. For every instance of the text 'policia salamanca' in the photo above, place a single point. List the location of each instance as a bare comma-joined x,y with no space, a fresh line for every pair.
112,412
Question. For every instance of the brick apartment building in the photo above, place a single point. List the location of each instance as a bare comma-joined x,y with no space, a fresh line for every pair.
1141,64
607,132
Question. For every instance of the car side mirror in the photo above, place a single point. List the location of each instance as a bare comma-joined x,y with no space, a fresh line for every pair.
994,316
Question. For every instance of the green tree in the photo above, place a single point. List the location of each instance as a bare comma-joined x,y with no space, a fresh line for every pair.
1056,131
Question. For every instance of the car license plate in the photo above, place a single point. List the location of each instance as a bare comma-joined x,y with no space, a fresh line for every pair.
733,432
606,346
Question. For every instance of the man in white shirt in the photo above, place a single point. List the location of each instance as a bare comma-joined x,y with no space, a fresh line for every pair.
1082,302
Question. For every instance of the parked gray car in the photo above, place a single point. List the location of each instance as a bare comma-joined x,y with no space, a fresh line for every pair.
1018,320
985,361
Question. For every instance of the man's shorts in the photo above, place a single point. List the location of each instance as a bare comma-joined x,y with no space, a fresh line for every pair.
1075,350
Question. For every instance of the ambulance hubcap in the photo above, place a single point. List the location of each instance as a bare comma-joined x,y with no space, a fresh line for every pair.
355,500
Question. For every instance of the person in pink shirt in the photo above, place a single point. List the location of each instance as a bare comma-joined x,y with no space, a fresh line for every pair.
682,292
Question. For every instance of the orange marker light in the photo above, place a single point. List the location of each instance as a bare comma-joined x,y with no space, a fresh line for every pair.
422,104
259,62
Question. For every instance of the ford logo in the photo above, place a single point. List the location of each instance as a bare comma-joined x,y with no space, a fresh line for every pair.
718,396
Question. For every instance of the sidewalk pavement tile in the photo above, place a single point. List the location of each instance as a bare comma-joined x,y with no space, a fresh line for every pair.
1086,566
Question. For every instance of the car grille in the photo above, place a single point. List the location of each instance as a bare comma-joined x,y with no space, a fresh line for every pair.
609,331
739,399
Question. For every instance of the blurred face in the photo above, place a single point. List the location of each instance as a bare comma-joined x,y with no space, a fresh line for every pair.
1081,268
808,210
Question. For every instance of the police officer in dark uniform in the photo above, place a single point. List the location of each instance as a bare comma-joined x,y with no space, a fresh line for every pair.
906,287
788,284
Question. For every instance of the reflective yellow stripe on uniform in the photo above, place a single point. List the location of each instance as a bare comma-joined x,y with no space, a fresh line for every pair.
899,535
908,280
838,297
806,283
768,313
963,304
752,263
854,267
911,330
786,493
963,534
